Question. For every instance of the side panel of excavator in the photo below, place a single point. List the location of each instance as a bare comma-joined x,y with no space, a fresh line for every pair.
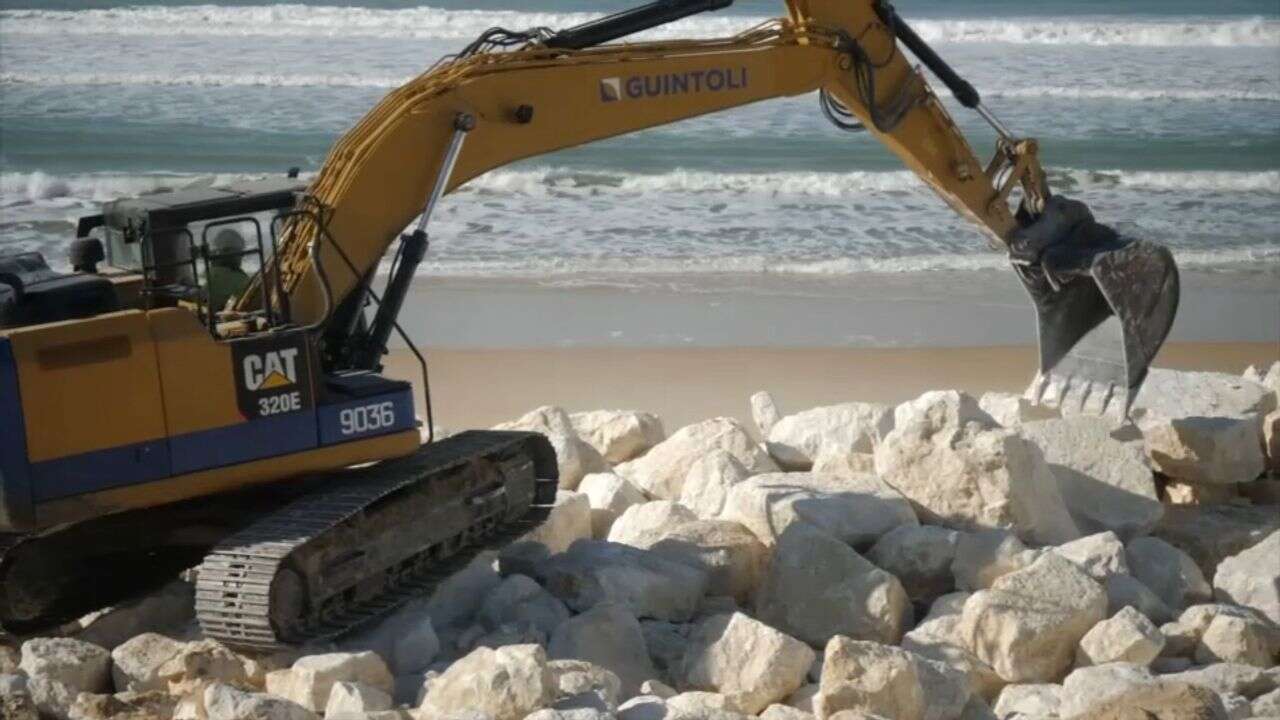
135,409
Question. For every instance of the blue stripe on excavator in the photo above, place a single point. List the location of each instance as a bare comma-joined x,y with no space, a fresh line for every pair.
16,512
205,450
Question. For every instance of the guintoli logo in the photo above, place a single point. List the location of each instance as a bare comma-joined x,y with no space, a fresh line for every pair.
271,370
636,87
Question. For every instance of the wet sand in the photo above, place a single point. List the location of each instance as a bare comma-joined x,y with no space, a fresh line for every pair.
479,388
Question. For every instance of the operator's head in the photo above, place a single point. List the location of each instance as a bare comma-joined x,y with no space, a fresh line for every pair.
227,242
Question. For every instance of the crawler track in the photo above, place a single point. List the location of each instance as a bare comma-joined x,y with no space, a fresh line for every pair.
337,557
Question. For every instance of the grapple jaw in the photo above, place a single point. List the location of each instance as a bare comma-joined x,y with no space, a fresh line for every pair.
1104,306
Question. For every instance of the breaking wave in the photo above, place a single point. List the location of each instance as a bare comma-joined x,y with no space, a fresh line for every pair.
429,22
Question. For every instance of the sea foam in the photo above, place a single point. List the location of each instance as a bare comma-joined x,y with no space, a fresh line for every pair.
429,22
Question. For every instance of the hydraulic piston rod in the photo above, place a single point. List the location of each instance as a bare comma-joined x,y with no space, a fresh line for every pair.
630,22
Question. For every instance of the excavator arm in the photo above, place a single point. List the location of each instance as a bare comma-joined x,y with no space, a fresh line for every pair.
1105,303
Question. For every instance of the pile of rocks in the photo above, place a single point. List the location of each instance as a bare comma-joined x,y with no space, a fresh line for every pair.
952,558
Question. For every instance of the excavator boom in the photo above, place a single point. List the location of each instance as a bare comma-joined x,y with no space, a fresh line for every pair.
524,94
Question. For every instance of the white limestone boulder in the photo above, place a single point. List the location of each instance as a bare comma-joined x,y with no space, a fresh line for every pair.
609,636
1230,679
1013,410
661,472
785,712
648,584
985,556
960,469
1239,638
707,485
745,660
644,524
1102,555
938,637
840,462
818,587
519,600
920,556
1252,578
1118,691
203,661
871,678
1128,636
167,611
1106,483
1203,427
1266,705
310,680
579,679
732,557
575,457
1182,635
136,664
618,435
224,702
505,684
78,665
356,697
1170,573
795,441
1271,440
857,510
1028,624
609,496
1029,700
570,520
764,412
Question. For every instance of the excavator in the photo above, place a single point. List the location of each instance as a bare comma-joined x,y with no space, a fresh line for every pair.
146,428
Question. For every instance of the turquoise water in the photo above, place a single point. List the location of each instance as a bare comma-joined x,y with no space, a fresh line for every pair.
1165,116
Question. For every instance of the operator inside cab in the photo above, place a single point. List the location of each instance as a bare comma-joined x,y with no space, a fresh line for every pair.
226,278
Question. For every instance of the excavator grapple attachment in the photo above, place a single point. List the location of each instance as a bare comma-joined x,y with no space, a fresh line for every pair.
1104,305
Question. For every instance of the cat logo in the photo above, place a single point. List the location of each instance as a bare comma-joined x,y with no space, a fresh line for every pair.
273,374
271,370
611,89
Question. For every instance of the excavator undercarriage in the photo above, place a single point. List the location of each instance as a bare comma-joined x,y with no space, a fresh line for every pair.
256,436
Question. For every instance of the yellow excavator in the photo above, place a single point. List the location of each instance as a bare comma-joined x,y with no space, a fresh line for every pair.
205,388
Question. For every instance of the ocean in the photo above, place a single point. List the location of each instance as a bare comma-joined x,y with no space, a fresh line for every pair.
1163,115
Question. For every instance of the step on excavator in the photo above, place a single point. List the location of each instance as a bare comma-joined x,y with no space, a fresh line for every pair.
206,387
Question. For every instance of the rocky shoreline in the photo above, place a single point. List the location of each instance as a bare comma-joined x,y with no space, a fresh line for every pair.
950,558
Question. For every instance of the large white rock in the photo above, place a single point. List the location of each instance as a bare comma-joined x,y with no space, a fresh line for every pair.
310,680
1170,573
520,600
661,472
920,556
1128,636
136,664
507,684
78,665
356,697
167,611
745,660
609,496
1266,705
732,557
764,412
938,637
795,440
1182,636
1204,427
576,457
872,678
608,635
619,435
1252,578
785,712
983,557
648,584
961,470
224,702
1030,700
707,485
1101,555
579,679
1271,440
1230,678
644,524
818,587
857,509
51,698
1012,410
1106,483
1028,624
1239,638
1120,691
570,520
204,661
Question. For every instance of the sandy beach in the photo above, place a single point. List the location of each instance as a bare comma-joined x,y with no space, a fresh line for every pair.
479,388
